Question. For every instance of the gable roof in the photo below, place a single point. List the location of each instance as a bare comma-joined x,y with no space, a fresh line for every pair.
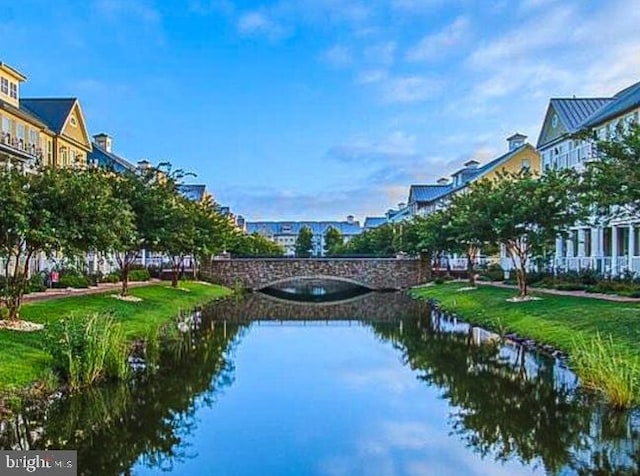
374,222
624,100
192,192
427,193
52,111
108,159
574,111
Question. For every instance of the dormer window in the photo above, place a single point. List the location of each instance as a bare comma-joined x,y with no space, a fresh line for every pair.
13,90
4,86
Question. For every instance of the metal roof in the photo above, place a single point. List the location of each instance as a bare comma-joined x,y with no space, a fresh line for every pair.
108,159
574,111
293,227
374,222
427,193
624,100
192,192
52,111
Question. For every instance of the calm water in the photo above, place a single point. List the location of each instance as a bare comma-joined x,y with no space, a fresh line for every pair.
320,390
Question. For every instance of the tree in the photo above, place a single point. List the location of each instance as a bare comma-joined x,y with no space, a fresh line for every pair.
613,181
304,242
254,244
527,213
470,227
433,237
54,210
333,241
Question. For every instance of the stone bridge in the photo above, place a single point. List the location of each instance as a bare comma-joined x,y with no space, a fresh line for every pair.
373,273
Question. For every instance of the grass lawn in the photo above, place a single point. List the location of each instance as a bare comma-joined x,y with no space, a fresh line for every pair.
22,359
562,321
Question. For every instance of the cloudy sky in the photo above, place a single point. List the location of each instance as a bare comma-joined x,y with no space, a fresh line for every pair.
315,109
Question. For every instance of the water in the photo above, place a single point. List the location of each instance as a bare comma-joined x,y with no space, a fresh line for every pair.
376,385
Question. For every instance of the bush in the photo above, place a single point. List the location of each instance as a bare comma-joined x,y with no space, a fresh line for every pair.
87,349
139,275
494,272
36,284
72,281
112,277
571,287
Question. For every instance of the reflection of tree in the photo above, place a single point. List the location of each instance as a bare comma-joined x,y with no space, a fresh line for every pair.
112,427
508,404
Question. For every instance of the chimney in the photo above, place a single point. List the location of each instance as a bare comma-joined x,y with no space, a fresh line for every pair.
104,141
443,181
350,219
516,140
401,205
144,164
471,164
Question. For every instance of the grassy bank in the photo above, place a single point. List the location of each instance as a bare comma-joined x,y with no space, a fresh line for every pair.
23,359
601,337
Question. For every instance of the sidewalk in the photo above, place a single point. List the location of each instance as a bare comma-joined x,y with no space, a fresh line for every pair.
557,292
100,288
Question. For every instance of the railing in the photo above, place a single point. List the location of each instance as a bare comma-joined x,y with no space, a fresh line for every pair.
20,145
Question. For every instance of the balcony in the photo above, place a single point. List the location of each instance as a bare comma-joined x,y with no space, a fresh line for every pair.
20,149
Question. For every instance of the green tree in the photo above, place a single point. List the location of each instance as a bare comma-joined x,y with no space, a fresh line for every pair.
254,244
433,237
613,181
304,242
54,210
527,213
333,241
470,227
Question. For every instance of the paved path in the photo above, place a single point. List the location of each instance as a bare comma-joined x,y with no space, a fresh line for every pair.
557,292
100,288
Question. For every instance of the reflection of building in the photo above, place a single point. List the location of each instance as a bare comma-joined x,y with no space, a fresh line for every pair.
614,248
285,233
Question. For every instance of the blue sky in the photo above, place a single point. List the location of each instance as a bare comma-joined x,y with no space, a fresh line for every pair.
316,109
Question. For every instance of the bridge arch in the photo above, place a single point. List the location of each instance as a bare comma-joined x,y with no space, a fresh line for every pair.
322,277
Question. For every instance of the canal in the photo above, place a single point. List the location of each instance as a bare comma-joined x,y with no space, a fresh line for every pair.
369,384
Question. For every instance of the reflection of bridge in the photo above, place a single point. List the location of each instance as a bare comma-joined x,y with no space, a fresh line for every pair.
373,273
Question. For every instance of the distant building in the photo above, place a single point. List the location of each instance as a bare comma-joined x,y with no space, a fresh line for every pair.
373,222
285,233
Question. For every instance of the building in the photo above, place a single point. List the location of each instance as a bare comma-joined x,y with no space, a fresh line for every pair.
374,222
285,233
39,131
609,250
426,199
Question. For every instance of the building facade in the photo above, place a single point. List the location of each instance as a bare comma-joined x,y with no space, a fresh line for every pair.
615,248
285,233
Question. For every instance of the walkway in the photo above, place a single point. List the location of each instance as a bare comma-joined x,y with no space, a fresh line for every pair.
100,288
557,292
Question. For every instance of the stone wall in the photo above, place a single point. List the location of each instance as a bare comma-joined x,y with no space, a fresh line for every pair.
374,273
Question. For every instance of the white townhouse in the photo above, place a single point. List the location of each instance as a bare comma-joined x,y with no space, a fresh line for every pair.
615,248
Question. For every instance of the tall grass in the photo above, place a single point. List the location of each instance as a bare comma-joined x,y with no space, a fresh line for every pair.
603,367
87,349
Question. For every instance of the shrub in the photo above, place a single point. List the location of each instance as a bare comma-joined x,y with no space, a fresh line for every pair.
139,275
87,349
112,277
72,281
36,283
494,272
571,287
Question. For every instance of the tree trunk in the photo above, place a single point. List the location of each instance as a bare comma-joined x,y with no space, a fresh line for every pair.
175,271
124,276
471,272
426,266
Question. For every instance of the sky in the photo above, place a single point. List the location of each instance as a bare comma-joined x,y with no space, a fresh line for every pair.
318,109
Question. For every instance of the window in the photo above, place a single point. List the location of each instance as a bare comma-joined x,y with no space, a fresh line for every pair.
73,122
33,137
13,90
526,164
4,86
6,125
20,132
587,242
50,152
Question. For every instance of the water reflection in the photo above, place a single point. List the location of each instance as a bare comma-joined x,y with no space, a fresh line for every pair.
310,290
332,400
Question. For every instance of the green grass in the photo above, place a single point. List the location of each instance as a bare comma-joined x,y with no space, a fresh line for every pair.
23,360
571,324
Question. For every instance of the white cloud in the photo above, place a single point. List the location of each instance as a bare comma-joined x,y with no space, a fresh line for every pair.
382,53
338,56
439,44
372,76
410,89
259,23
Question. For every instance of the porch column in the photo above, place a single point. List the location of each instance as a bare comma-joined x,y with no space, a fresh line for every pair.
143,258
614,249
558,256
581,246
632,245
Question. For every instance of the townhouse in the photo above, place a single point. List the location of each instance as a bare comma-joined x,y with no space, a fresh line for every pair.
614,248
